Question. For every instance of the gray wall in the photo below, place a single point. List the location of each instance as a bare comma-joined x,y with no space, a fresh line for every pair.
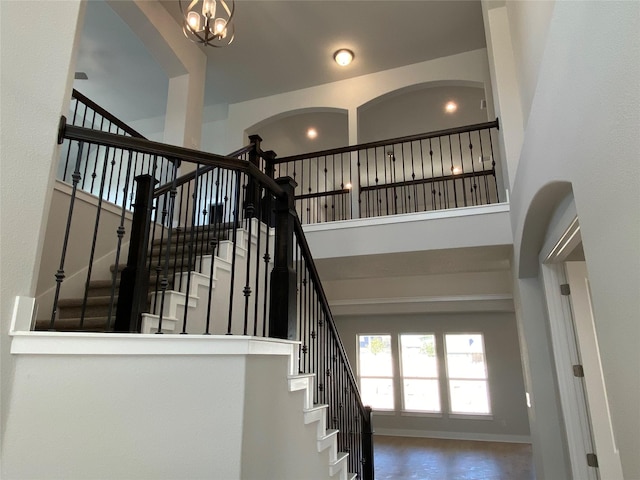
506,382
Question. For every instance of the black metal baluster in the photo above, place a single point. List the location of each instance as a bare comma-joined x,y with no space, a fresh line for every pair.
453,179
424,177
95,164
405,199
214,246
86,165
135,173
94,239
126,187
444,181
493,167
75,177
164,283
185,205
256,297
192,249
113,166
413,178
474,179
304,348
484,176
236,210
266,258
246,291
120,232
464,189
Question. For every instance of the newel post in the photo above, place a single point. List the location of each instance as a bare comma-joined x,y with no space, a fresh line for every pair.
269,170
253,190
367,445
283,314
133,295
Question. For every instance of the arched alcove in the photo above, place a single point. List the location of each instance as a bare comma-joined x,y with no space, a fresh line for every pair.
286,133
421,108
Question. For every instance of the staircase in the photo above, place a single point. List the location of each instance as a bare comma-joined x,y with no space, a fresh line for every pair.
176,300
217,282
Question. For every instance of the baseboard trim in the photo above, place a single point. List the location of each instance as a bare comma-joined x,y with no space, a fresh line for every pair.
478,437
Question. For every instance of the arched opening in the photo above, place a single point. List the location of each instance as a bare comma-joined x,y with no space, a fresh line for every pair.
422,108
290,133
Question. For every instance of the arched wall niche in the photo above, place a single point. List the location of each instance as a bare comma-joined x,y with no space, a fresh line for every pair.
419,108
286,132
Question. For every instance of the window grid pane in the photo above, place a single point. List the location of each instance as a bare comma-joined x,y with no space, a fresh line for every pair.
419,363
375,368
467,374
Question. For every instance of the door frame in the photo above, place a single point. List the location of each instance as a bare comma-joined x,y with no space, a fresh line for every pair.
585,408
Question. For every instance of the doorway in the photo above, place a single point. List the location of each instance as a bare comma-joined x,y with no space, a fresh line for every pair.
591,445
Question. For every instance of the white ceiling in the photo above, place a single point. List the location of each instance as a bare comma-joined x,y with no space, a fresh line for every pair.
280,46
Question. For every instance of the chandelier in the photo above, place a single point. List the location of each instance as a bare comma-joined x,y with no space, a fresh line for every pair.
208,22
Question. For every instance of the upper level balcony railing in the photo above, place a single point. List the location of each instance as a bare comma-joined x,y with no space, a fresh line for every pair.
433,171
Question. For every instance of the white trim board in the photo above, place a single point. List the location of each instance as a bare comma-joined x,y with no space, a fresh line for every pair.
425,299
80,343
408,217
434,304
476,437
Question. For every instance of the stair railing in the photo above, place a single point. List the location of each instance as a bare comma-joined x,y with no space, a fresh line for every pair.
90,220
448,168
226,217
323,353
103,172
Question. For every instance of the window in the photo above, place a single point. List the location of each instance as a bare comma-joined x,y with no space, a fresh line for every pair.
376,371
467,374
420,389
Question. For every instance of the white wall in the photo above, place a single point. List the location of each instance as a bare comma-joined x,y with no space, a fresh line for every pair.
583,128
352,93
529,24
29,131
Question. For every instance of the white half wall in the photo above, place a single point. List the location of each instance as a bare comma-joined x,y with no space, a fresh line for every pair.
454,228
129,406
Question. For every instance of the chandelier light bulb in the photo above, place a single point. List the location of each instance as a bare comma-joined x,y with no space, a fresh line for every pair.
209,8
193,19
220,27
343,57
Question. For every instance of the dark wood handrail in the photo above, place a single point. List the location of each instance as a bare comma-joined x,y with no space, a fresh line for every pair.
187,177
322,298
109,116
384,143
424,181
170,152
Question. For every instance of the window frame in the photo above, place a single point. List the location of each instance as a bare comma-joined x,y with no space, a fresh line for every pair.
449,378
391,377
403,377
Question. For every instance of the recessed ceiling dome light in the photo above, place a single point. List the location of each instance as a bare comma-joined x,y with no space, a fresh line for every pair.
451,107
312,133
343,57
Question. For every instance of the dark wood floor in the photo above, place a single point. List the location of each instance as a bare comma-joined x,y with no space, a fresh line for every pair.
426,458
